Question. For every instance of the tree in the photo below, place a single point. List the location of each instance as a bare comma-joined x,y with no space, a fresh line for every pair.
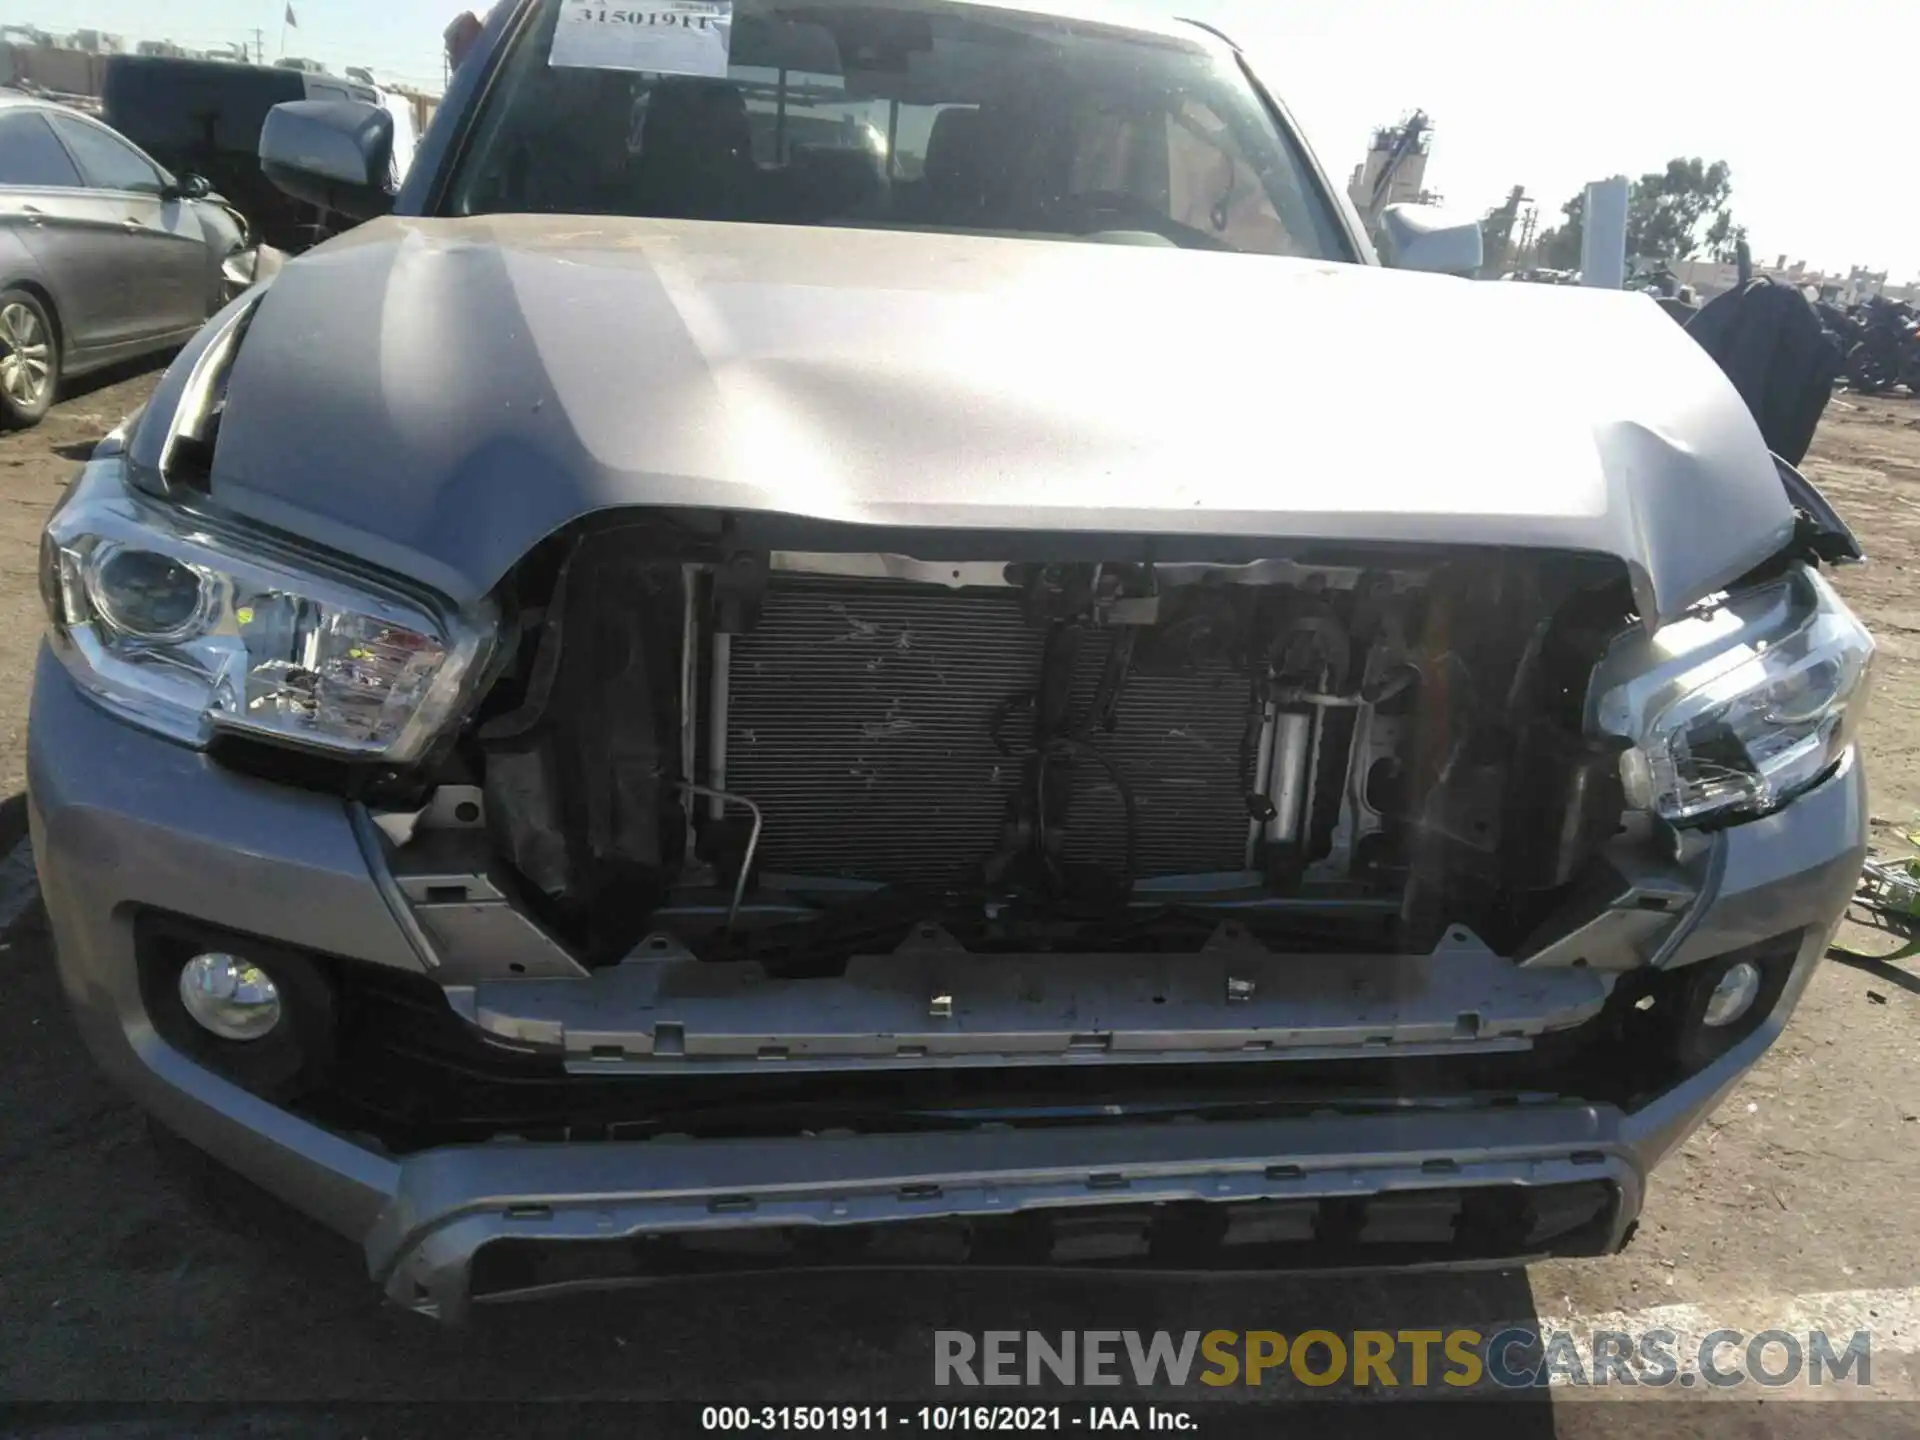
1667,209
1672,214
1724,242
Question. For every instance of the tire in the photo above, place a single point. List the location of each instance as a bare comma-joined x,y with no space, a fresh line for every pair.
29,358
1863,370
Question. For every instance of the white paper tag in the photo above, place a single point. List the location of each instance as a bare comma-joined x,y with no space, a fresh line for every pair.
664,37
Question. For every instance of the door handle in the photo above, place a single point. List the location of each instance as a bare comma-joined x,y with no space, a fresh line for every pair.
134,227
32,212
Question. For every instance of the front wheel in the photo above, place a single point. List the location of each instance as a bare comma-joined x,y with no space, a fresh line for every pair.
29,359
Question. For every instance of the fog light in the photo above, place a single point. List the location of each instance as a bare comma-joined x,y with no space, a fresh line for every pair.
233,998
1733,995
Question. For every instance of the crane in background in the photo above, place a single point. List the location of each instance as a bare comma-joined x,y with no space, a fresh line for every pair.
1399,147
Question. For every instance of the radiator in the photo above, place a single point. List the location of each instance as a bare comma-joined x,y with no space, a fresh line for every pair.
858,720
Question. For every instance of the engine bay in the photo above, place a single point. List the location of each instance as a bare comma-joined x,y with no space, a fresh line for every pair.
797,757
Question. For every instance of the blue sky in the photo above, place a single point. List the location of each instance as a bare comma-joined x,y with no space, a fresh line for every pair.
1812,106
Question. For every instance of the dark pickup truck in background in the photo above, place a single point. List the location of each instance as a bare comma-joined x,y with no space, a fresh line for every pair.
205,117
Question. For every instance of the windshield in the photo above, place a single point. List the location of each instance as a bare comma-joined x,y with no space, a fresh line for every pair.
893,115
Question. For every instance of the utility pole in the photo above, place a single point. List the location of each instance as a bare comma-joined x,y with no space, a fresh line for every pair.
259,46
1497,229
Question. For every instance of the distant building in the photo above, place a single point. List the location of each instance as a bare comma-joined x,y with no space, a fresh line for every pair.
95,42
1867,282
1714,277
35,61
59,71
422,103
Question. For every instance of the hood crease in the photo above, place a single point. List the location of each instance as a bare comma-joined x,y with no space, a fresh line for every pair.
436,396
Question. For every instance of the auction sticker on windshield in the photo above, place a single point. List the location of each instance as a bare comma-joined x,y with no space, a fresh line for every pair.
666,37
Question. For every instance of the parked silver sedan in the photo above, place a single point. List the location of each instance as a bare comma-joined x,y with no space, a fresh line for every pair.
103,254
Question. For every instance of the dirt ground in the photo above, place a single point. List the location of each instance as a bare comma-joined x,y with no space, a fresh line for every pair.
115,1283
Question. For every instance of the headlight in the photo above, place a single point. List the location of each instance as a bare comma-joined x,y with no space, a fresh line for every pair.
188,627
1741,705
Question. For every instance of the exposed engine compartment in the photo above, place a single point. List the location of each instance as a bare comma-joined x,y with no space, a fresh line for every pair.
800,755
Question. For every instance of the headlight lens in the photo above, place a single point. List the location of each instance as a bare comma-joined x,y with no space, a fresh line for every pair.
145,595
189,628
1740,706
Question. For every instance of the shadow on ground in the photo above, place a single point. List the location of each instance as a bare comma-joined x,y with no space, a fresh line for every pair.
95,380
127,1278
137,1272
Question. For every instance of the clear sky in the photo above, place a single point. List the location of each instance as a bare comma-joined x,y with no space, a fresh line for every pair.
1811,105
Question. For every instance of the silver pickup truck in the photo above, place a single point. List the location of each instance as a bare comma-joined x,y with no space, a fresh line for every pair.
871,634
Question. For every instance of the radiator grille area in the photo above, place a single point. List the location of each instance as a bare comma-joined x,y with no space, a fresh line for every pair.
859,719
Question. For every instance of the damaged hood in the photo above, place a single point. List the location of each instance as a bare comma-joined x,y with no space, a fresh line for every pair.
435,396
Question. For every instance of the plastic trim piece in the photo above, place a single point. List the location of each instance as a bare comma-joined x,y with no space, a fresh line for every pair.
929,1007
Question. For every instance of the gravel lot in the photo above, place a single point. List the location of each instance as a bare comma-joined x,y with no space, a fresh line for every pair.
117,1282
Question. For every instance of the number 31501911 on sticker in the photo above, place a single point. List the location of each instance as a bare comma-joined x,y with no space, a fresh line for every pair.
676,37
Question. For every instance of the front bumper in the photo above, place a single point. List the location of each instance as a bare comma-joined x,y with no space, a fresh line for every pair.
123,822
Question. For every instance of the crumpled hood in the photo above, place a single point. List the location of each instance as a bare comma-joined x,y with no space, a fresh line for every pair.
435,396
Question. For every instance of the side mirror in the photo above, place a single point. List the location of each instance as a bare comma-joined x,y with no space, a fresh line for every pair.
330,153
187,187
1424,237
